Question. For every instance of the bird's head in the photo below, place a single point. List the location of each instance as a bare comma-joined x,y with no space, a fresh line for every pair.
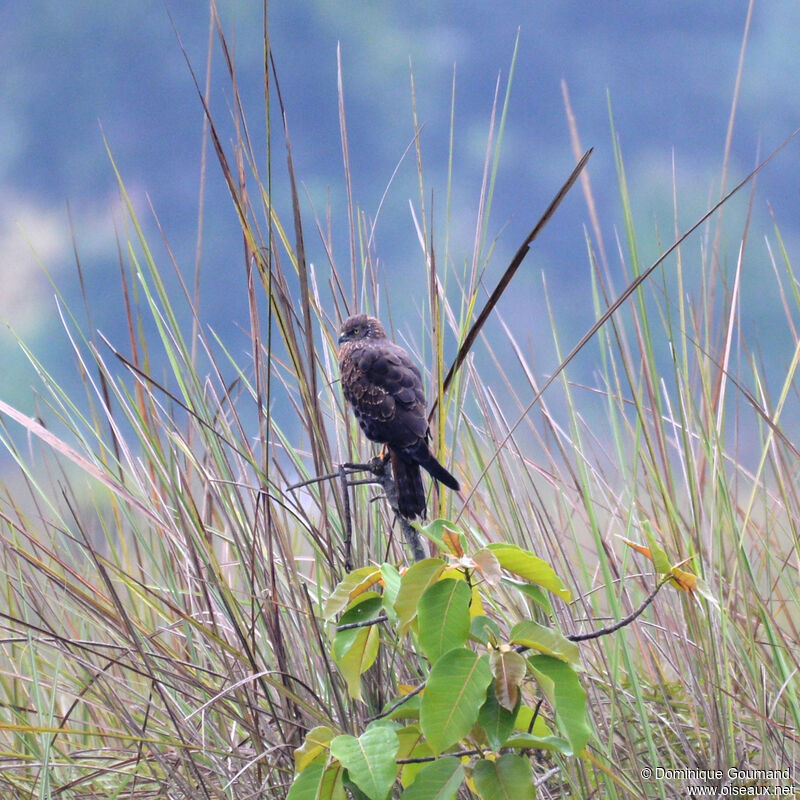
361,327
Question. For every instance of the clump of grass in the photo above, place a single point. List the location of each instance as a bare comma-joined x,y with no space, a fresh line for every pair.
163,581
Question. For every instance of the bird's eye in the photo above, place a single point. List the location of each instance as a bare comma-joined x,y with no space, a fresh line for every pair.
355,331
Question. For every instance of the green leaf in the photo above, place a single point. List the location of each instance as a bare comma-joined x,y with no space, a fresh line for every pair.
418,577
563,689
508,778
318,782
349,587
353,792
545,640
660,558
366,607
533,592
331,786
359,657
442,531
391,586
306,783
454,694
439,780
527,565
496,721
443,617
483,629
370,759
529,741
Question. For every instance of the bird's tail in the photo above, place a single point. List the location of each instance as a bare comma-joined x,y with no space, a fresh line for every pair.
408,481
423,456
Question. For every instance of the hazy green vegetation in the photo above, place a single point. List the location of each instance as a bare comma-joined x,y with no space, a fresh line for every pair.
165,576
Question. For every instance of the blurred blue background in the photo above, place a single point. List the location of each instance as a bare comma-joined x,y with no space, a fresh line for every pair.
73,72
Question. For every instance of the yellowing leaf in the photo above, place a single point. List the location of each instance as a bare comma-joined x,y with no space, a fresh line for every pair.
315,745
476,608
545,640
353,584
452,539
526,721
412,745
683,580
532,568
417,578
640,548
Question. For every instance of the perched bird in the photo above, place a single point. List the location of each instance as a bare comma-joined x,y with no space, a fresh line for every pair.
384,388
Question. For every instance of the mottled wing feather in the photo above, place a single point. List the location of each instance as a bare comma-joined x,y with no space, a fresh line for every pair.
384,387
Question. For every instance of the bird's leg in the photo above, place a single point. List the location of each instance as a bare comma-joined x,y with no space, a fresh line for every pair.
377,466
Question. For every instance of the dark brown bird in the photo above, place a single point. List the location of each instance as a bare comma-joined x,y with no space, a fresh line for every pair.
384,388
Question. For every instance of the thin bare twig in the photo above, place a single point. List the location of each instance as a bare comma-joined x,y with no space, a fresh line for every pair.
329,476
394,706
583,637
425,759
364,623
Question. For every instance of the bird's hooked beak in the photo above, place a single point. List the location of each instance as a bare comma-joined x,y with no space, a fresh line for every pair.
344,337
